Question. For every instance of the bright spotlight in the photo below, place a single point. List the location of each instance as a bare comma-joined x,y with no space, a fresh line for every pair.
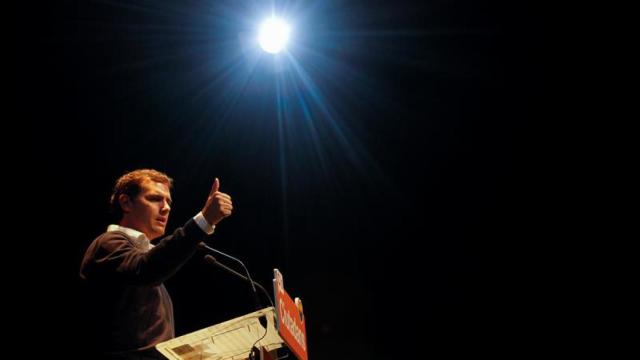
274,34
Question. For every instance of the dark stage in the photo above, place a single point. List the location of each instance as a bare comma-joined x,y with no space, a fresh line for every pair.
385,167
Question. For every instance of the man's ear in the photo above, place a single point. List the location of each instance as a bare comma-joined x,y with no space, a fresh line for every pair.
125,203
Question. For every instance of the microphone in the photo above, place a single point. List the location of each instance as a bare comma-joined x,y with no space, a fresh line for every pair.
213,261
204,246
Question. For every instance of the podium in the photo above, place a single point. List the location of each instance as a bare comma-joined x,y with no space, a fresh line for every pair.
229,340
268,330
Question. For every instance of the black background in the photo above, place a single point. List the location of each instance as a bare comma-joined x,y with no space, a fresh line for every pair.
400,212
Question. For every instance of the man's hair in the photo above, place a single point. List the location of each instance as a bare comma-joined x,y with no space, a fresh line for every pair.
131,183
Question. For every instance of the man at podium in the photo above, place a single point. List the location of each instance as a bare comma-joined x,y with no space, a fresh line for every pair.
123,271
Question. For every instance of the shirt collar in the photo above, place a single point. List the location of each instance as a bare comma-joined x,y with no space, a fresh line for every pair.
139,239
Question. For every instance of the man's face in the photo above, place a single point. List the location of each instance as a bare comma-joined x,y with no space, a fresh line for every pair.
149,211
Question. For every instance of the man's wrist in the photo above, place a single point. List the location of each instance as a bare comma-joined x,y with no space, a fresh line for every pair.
204,224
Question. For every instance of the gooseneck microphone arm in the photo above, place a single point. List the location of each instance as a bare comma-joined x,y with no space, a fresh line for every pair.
202,245
213,261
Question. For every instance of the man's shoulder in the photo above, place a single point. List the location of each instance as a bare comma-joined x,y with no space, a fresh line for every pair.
103,245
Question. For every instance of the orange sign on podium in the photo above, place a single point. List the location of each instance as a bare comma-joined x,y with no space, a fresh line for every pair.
290,318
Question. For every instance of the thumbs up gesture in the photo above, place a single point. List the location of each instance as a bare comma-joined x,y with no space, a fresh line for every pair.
218,205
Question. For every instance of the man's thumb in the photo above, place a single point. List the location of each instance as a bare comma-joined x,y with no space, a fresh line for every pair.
216,185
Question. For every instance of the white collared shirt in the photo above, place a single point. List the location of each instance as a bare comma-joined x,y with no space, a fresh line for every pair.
139,239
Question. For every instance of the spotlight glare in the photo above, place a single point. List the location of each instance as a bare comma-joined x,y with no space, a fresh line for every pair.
273,36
